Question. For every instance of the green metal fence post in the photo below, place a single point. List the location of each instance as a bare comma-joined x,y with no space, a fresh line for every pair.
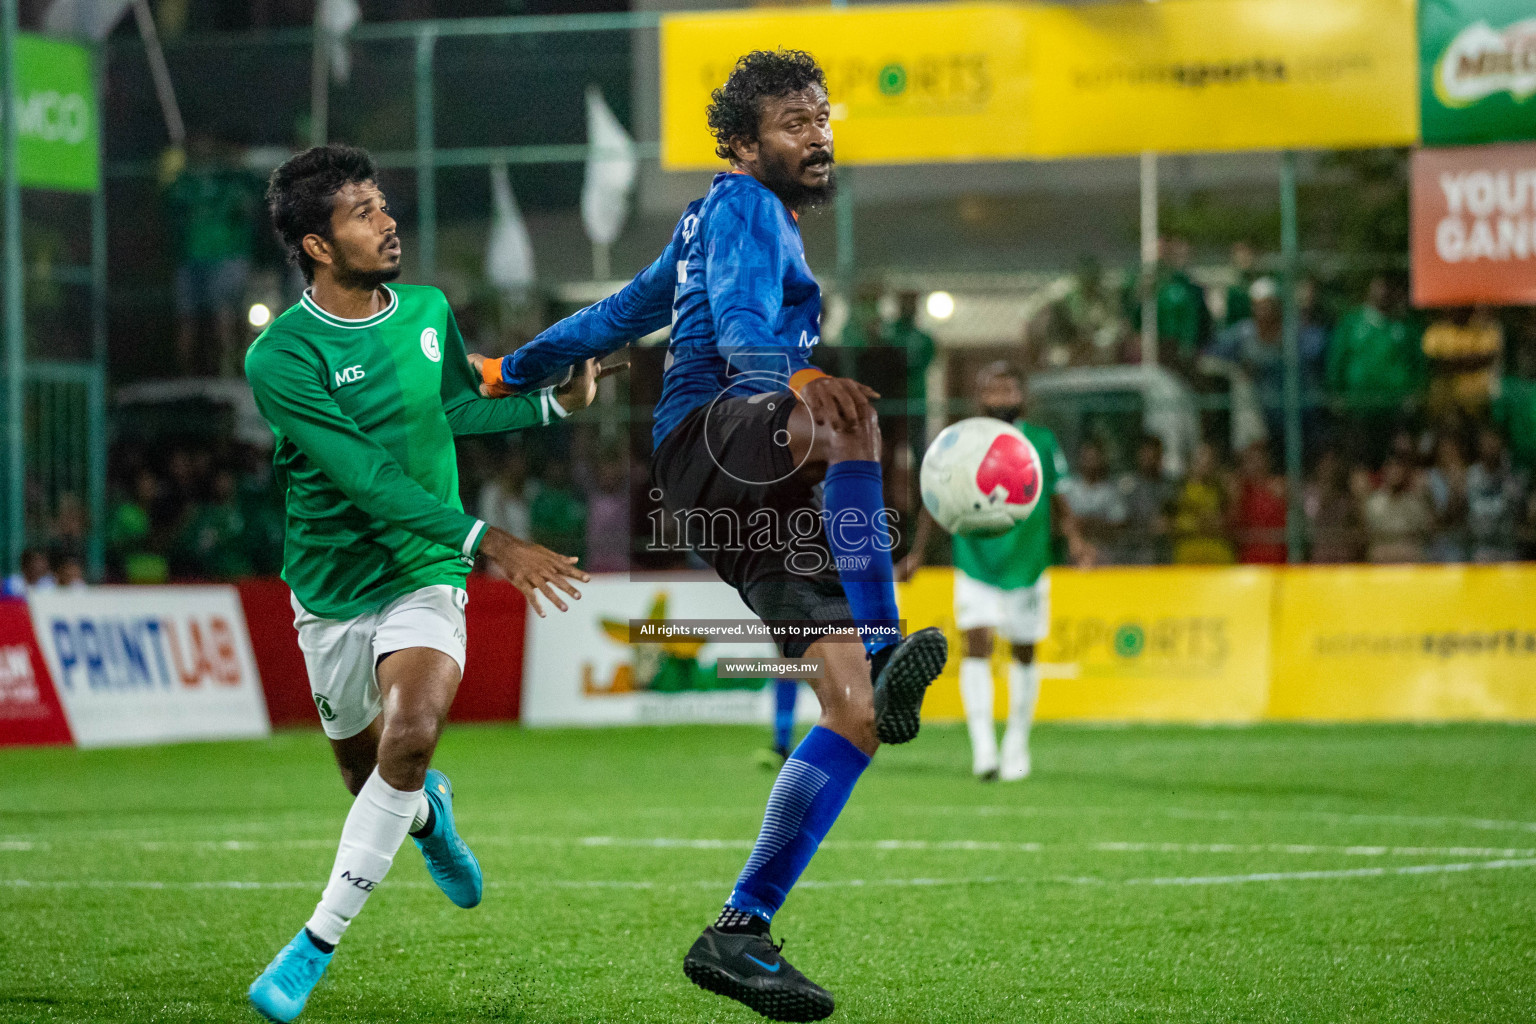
96,392
426,173
1290,255
15,338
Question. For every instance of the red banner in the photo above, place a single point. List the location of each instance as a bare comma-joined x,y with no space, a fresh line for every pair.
29,708
1474,226
493,676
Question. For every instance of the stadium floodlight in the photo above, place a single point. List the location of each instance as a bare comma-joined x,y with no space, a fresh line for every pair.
941,305
260,315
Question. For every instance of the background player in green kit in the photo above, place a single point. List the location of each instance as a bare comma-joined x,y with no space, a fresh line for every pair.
1002,585
365,386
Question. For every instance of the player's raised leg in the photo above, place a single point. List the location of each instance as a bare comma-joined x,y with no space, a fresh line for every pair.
735,956
834,425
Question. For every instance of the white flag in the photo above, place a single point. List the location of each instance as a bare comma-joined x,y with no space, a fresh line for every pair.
610,172
84,19
508,253
336,18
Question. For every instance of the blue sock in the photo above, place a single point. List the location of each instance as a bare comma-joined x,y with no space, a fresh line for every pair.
807,797
785,692
854,516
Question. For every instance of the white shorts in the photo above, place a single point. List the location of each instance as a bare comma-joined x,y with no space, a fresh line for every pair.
341,654
1021,616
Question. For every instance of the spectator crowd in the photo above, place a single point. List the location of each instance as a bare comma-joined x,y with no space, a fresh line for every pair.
1419,434
213,512
1432,499
1418,429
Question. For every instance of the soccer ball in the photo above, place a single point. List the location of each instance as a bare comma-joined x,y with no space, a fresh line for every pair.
980,477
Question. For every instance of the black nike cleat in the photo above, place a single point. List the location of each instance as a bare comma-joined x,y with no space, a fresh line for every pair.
749,969
902,674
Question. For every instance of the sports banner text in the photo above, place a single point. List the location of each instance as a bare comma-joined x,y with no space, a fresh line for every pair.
957,82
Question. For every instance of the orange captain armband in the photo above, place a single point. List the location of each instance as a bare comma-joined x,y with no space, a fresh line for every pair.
490,376
800,378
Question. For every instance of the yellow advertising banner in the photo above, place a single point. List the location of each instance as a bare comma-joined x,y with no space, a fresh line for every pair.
1200,75
1412,643
1153,645
950,82
908,84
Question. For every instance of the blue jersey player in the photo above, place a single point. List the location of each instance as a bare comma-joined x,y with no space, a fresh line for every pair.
746,433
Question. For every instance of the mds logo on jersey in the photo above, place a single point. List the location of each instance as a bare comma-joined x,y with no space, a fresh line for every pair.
351,375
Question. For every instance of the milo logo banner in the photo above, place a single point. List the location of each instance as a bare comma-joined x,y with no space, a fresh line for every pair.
1477,71
55,111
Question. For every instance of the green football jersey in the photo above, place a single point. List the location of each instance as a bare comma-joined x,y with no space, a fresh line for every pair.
1017,558
364,413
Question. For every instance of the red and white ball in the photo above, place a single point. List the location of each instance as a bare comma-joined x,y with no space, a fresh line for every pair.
980,477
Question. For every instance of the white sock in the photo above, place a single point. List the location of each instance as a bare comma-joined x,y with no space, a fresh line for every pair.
376,826
976,698
421,813
1023,692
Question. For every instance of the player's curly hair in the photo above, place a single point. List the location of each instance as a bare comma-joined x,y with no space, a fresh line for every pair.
301,194
735,108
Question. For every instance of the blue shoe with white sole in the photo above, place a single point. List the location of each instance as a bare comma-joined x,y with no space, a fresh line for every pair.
450,863
283,988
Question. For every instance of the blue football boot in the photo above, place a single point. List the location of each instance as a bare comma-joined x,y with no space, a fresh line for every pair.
283,988
451,865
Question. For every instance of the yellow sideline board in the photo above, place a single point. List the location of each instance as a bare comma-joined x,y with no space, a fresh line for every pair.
1200,75
1410,643
925,83
1321,643
1176,644
908,84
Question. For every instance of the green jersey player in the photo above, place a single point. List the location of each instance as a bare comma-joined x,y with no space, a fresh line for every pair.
365,385
1002,585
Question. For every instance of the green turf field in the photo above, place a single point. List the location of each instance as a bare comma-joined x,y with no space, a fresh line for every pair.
1268,874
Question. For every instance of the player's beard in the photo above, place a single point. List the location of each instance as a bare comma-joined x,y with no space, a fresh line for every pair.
351,277
1006,413
783,178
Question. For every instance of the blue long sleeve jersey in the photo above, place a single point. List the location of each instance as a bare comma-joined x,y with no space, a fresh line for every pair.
733,283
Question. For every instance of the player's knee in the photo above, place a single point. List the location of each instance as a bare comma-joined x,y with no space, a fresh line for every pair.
408,744
1024,654
855,722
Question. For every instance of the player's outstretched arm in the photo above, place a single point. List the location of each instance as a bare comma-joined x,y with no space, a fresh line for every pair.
469,413
641,307
533,569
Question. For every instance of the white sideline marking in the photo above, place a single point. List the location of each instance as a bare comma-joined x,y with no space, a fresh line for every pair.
847,883
948,845
660,843
1187,813
144,835
1306,876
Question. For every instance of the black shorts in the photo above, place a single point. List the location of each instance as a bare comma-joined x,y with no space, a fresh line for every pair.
733,494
